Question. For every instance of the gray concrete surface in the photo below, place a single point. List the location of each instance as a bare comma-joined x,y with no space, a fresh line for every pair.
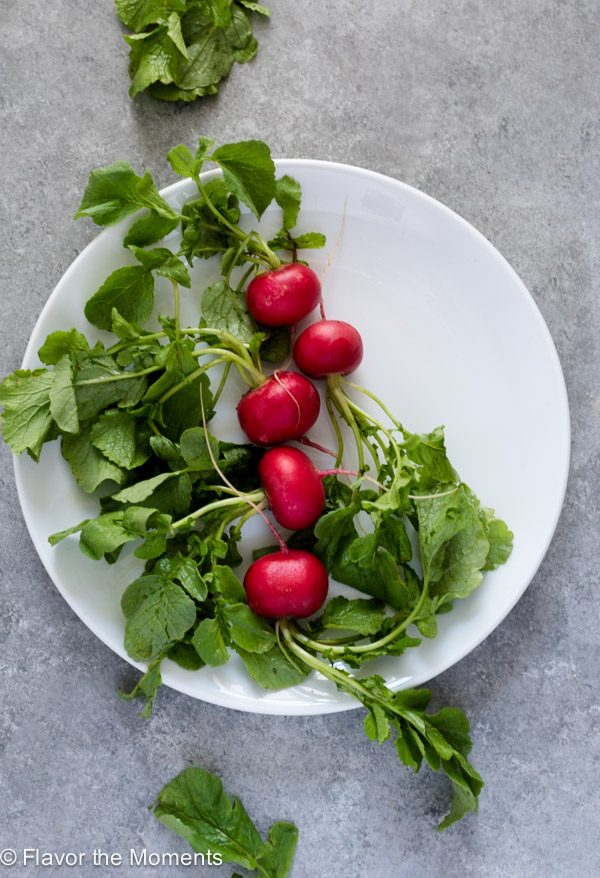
491,107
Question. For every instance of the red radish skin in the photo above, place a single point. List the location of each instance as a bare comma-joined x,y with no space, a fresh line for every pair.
283,408
287,583
293,486
329,347
283,296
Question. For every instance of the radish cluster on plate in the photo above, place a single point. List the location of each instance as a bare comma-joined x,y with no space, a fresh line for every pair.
133,415
292,583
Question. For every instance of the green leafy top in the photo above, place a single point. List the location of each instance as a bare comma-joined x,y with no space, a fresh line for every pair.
112,193
182,49
196,807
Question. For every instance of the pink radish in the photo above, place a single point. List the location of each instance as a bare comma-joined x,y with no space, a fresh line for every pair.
328,347
286,583
283,296
293,486
283,408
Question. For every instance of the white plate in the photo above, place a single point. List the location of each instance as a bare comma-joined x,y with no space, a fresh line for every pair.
451,337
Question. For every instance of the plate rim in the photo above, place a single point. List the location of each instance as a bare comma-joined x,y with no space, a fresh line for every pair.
344,702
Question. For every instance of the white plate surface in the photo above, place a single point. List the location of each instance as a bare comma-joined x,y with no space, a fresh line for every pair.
451,337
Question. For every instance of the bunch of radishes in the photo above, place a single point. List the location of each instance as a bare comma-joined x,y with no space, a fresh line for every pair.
292,582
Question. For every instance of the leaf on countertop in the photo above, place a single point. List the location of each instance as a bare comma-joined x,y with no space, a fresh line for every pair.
154,56
196,807
182,49
138,14
280,849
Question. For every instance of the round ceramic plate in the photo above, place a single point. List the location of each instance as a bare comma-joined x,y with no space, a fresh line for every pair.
451,336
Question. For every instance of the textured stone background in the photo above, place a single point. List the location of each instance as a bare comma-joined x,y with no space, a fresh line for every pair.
492,108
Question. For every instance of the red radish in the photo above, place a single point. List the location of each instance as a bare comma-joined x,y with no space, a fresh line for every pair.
293,486
283,408
283,296
328,347
287,583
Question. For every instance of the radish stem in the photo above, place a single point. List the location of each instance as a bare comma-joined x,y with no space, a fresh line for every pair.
222,382
249,500
375,399
340,401
305,440
176,309
242,501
